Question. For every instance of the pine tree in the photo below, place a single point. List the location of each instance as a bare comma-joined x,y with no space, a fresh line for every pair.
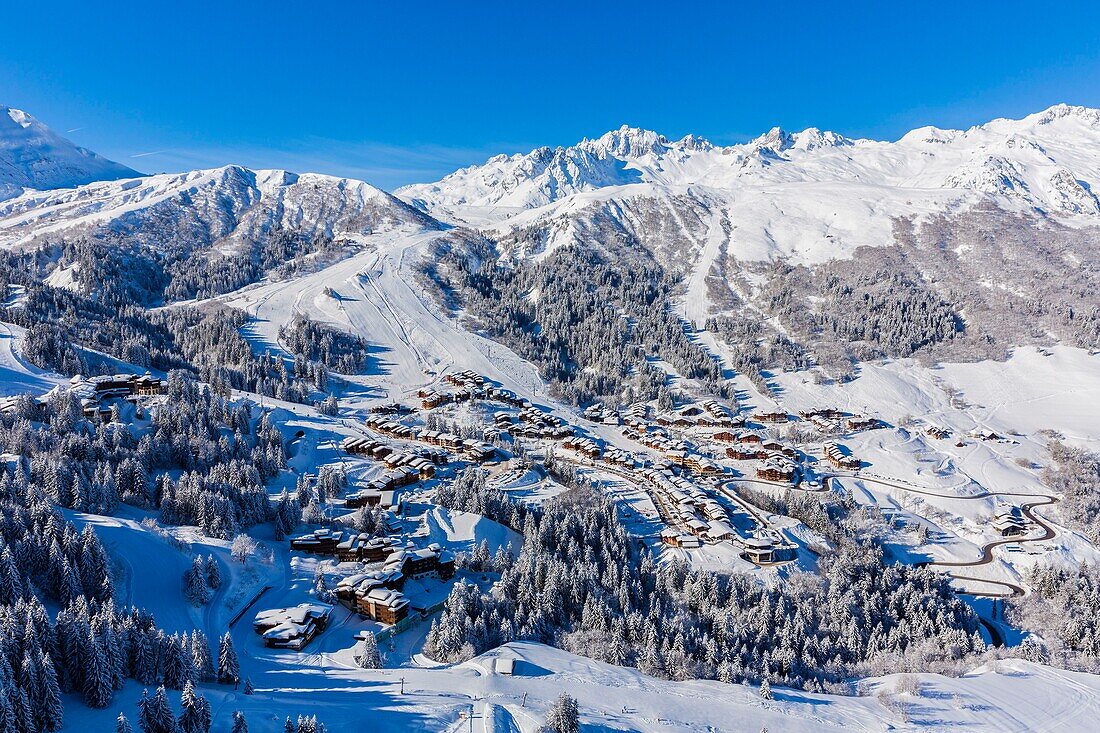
194,711
194,584
48,705
228,667
123,725
239,723
11,585
563,716
213,572
98,680
248,688
368,656
201,659
177,664
765,689
156,713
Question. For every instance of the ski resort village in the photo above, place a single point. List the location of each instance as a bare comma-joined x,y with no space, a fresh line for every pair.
634,435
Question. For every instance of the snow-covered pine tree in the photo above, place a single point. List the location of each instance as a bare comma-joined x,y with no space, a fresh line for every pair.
240,725
563,716
228,667
194,584
368,656
155,713
122,725
98,680
213,572
195,715
200,657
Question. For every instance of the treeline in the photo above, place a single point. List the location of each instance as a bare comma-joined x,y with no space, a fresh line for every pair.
206,276
206,342
119,268
223,454
1064,610
581,584
91,646
590,324
1075,474
319,343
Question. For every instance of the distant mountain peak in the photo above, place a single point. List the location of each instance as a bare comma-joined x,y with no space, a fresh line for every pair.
34,156
630,142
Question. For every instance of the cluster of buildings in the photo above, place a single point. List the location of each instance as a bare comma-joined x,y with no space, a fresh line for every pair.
599,413
709,413
778,468
377,594
536,423
468,385
292,628
474,450
97,395
841,458
775,416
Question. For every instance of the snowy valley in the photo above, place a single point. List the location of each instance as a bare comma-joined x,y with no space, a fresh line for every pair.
637,434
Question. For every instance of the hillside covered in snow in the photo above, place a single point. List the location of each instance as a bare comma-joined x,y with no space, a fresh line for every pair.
808,196
635,435
34,156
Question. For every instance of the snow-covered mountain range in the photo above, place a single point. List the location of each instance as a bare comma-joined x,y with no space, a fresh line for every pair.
222,206
34,156
807,196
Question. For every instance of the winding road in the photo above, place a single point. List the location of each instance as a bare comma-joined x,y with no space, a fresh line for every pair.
987,550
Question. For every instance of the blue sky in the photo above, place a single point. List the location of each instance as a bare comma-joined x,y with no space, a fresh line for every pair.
402,92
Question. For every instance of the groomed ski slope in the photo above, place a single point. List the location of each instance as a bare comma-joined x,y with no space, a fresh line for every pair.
376,294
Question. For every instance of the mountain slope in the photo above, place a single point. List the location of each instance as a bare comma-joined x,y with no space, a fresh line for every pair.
34,156
810,196
227,206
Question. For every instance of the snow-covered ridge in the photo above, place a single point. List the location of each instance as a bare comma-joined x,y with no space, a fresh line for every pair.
34,156
811,195
207,207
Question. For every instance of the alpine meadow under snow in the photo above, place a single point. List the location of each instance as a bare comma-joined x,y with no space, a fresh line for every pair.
637,434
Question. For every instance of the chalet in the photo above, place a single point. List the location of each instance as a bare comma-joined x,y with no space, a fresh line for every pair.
759,550
777,468
829,413
357,446
772,416
429,561
35,405
858,422
750,437
351,548
841,458
348,587
318,542
585,446
380,548
937,432
1010,522
292,628
382,604
477,451
390,408
365,497
745,453
719,531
